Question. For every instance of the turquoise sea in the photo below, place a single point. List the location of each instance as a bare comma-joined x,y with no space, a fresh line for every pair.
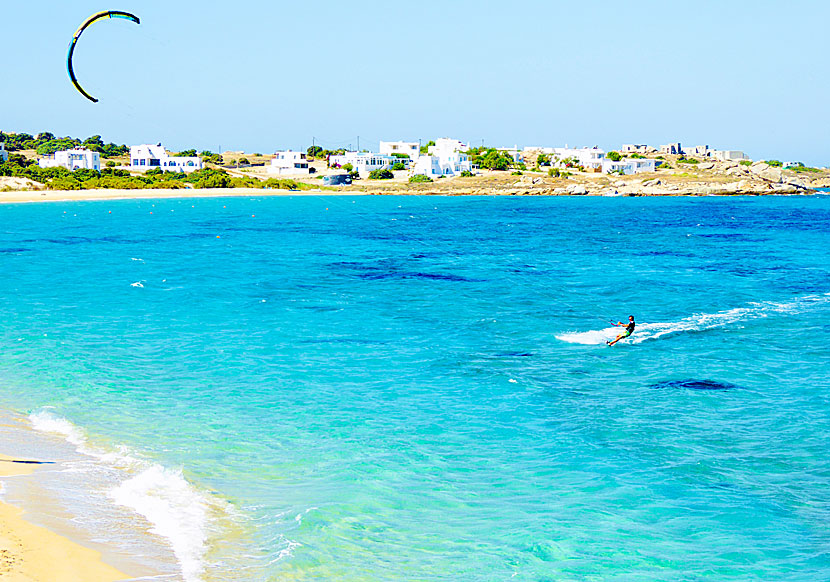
418,388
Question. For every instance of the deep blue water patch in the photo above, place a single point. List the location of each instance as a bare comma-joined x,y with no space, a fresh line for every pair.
705,385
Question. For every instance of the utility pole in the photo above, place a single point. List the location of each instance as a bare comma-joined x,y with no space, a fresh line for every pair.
358,144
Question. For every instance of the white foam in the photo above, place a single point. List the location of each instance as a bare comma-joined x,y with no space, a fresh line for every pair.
699,322
175,509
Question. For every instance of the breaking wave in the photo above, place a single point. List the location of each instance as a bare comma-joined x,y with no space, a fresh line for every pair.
176,510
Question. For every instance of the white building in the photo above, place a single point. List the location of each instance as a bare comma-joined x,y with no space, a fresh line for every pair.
629,166
149,157
637,148
74,159
289,163
702,150
4,155
365,162
729,155
673,149
445,145
409,148
446,158
589,158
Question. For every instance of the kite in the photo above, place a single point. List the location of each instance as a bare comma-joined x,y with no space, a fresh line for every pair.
87,22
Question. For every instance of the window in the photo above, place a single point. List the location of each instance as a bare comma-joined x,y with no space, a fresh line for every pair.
135,162
155,162
143,162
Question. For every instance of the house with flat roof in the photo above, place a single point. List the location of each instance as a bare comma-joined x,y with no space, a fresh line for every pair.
629,166
637,148
365,162
673,149
446,158
589,158
289,163
409,148
74,159
149,157
729,155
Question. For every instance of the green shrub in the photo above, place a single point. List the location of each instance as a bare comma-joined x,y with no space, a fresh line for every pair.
774,163
613,156
745,163
554,172
419,178
348,167
637,156
398,166
279,184
803,168
517,173
465,174
381,174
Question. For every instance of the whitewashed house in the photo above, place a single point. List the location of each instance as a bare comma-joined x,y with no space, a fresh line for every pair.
365,162
409,148
289,163
673,149
729,155
149,157
74,159
701,150
637,148
446,158
629,166
4,155
589,158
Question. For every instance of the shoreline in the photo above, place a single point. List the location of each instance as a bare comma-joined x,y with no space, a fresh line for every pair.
29,196
58,519
55,196
32,552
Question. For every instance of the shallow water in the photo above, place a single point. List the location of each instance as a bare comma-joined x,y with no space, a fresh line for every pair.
386,388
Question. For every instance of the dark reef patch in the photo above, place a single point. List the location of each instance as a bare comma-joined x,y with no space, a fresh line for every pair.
705,385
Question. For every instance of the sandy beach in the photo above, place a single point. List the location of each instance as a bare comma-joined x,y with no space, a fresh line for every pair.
17,197
30,553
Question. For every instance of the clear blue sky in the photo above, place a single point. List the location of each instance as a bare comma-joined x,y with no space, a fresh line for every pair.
263,75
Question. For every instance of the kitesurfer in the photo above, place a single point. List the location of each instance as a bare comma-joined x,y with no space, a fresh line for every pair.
629,329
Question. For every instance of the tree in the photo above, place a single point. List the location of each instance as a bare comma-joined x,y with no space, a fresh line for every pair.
495,160
56,145
94,143
613,156
398,166
348,167
185,154
315,152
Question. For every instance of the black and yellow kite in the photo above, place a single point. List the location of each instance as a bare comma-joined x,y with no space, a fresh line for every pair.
87,22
